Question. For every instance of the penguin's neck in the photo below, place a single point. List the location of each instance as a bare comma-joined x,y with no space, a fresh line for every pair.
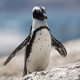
38,23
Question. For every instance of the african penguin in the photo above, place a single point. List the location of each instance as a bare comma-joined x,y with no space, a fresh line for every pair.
38,43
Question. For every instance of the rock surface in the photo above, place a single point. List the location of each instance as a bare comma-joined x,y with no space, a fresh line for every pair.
61,73
15,67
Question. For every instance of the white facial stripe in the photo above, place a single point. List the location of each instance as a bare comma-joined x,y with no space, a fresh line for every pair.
37,8
43,8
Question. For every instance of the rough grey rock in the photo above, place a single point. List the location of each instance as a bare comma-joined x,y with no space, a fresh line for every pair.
71,72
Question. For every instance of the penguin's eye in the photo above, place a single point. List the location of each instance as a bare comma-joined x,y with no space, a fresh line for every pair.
38,11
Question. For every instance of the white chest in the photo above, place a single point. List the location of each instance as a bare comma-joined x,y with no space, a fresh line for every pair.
40,53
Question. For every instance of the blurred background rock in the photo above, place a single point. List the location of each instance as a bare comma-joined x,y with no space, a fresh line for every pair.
15,22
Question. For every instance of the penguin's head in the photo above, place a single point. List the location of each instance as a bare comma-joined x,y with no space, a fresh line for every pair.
39,13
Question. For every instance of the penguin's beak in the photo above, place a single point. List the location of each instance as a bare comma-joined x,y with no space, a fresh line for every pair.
45,17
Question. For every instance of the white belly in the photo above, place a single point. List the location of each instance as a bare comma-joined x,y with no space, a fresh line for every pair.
40,53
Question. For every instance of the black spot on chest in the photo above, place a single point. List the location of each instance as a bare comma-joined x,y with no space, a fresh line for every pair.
45,53
38,38
46,40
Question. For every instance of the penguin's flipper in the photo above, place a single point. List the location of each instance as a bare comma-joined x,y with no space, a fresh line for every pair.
58,46
17,49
